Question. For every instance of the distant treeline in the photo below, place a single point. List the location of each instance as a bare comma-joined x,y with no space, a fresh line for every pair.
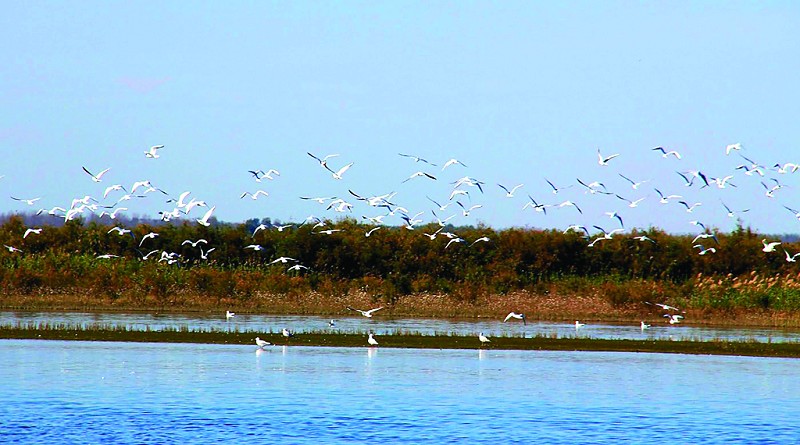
391,262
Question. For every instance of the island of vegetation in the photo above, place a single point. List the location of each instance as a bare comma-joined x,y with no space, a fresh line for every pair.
548,274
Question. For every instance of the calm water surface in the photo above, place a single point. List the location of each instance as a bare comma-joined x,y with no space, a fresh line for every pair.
383,325
101,392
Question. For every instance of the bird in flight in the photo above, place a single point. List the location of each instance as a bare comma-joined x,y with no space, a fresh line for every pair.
153,152
666,153
97,177
603,160
510,193
338,174
452,161
416,159
368,313
519,316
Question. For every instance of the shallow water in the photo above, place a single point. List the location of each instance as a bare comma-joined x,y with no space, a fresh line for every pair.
102,392
384,326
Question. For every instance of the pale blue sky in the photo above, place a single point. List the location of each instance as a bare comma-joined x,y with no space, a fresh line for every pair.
518,91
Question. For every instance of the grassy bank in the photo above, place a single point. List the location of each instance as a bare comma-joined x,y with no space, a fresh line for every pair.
540,343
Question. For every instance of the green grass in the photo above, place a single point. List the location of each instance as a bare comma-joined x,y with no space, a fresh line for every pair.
398,340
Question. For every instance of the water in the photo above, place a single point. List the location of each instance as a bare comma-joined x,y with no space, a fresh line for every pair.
103,392
385,326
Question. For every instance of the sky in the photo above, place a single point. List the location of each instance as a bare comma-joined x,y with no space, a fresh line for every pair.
518,91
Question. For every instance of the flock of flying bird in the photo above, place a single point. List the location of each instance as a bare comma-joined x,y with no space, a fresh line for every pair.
462,193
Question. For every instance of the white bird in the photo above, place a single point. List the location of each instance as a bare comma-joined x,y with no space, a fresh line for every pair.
324,161
150,235
145,184
287,333
616,215
557,189
113,215
457,192
454,240
26,201
484,339
371,231
262,343
452,161
119,231
12,249
205,218
204,255
29,231
327,232
296,267
145,257
418,174
731,147
338,174
631,204
666,307
371,340
704,236
674,318
791,258
465,211
269,174
594,187
722,182
97,177
769,247
153,152
416,158
788,167
635,185
519,316
255,247
510,193
107,256
644,326
666,153
283,259
665,198
570,203
732,214
690,208
331,323
113,188
603,160
542,208
260,227
194,243
255,195
229,315
579,325
484,239
368,313
703,250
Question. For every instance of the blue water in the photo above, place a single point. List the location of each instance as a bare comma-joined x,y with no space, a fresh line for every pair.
102,392
382,325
